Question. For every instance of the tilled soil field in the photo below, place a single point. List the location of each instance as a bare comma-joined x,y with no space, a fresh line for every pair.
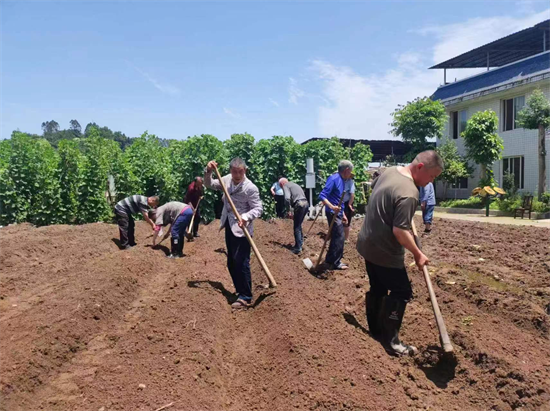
85,326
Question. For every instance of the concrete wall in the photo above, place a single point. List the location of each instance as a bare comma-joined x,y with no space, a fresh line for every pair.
517,142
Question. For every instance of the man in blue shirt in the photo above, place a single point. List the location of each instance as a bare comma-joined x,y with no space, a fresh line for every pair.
330,196
427,203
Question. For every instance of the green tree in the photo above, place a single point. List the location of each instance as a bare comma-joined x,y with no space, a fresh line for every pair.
75,128
70,178
418,120
456,166
536,116
361,156
92,193
50,127
483,144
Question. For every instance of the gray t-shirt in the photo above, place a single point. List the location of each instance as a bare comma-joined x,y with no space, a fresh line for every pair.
393,201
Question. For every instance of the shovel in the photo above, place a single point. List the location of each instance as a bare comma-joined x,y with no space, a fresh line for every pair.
272,282
443,336
307,262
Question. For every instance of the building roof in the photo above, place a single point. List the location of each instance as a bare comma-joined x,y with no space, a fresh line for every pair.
515,71
517,46
380,148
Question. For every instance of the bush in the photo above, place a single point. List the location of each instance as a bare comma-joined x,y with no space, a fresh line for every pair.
42,185
472,202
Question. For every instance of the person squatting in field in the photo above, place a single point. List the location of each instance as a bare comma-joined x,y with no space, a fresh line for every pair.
246,197
124,209
330,196
178,215
194,192
382,241
295,199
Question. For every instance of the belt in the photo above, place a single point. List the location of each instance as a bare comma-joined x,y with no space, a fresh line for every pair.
300,202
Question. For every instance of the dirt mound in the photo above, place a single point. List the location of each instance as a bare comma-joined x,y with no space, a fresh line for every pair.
86,326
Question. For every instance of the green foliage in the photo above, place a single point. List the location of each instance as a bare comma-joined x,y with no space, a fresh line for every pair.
92,193
536,112
71,184
455,165
70,178
472,202
509,184
511,202
361,156
418,120
483,144
546,198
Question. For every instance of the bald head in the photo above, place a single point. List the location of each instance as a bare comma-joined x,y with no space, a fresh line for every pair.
283,181
426,167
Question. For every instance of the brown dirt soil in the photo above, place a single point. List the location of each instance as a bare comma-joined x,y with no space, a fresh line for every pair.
84,324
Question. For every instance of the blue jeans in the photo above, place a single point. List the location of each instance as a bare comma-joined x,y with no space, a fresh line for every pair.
428,214
337,238
300,211
238,263
180,225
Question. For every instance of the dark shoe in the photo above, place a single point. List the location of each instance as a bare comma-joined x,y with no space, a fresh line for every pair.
393,312
373,307
196,235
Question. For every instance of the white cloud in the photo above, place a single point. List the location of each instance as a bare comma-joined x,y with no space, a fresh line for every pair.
359,106
163,87
294,92
231,113
274,102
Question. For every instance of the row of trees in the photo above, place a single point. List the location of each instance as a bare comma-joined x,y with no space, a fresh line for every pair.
42,184
51,131
423,118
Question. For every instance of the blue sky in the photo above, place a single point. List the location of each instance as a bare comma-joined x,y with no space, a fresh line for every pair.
268,68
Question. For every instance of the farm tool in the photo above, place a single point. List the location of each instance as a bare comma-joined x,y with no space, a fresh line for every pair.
272,282
443,335
190,228
307,262
314,221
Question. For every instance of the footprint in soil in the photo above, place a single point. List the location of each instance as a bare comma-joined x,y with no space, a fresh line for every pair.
438,366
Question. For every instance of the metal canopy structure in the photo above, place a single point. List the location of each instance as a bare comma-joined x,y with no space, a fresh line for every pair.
506,50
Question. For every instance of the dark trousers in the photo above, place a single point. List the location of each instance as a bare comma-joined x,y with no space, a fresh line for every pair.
394,280
238,263
180,226
337,238
196,221
280,206
300,211
126,227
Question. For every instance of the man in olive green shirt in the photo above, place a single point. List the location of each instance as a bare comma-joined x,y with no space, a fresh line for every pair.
382,241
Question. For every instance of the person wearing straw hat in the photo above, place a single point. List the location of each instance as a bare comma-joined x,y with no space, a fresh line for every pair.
330,196
246,197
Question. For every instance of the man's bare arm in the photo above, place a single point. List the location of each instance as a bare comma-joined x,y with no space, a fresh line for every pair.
406,239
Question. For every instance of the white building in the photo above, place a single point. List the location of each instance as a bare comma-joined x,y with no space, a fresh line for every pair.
522,64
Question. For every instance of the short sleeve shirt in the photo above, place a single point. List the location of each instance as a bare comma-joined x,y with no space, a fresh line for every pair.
393,202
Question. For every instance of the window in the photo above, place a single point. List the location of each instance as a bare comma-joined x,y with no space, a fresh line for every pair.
454,124
463,120
510,110
514,165
461,183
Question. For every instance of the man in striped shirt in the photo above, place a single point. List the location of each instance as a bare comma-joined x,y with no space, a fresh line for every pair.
125,208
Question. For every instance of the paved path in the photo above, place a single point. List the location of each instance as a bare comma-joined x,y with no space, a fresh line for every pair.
492,219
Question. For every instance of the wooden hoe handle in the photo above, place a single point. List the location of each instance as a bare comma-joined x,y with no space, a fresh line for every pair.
443,335
329,230
193,218
272,282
